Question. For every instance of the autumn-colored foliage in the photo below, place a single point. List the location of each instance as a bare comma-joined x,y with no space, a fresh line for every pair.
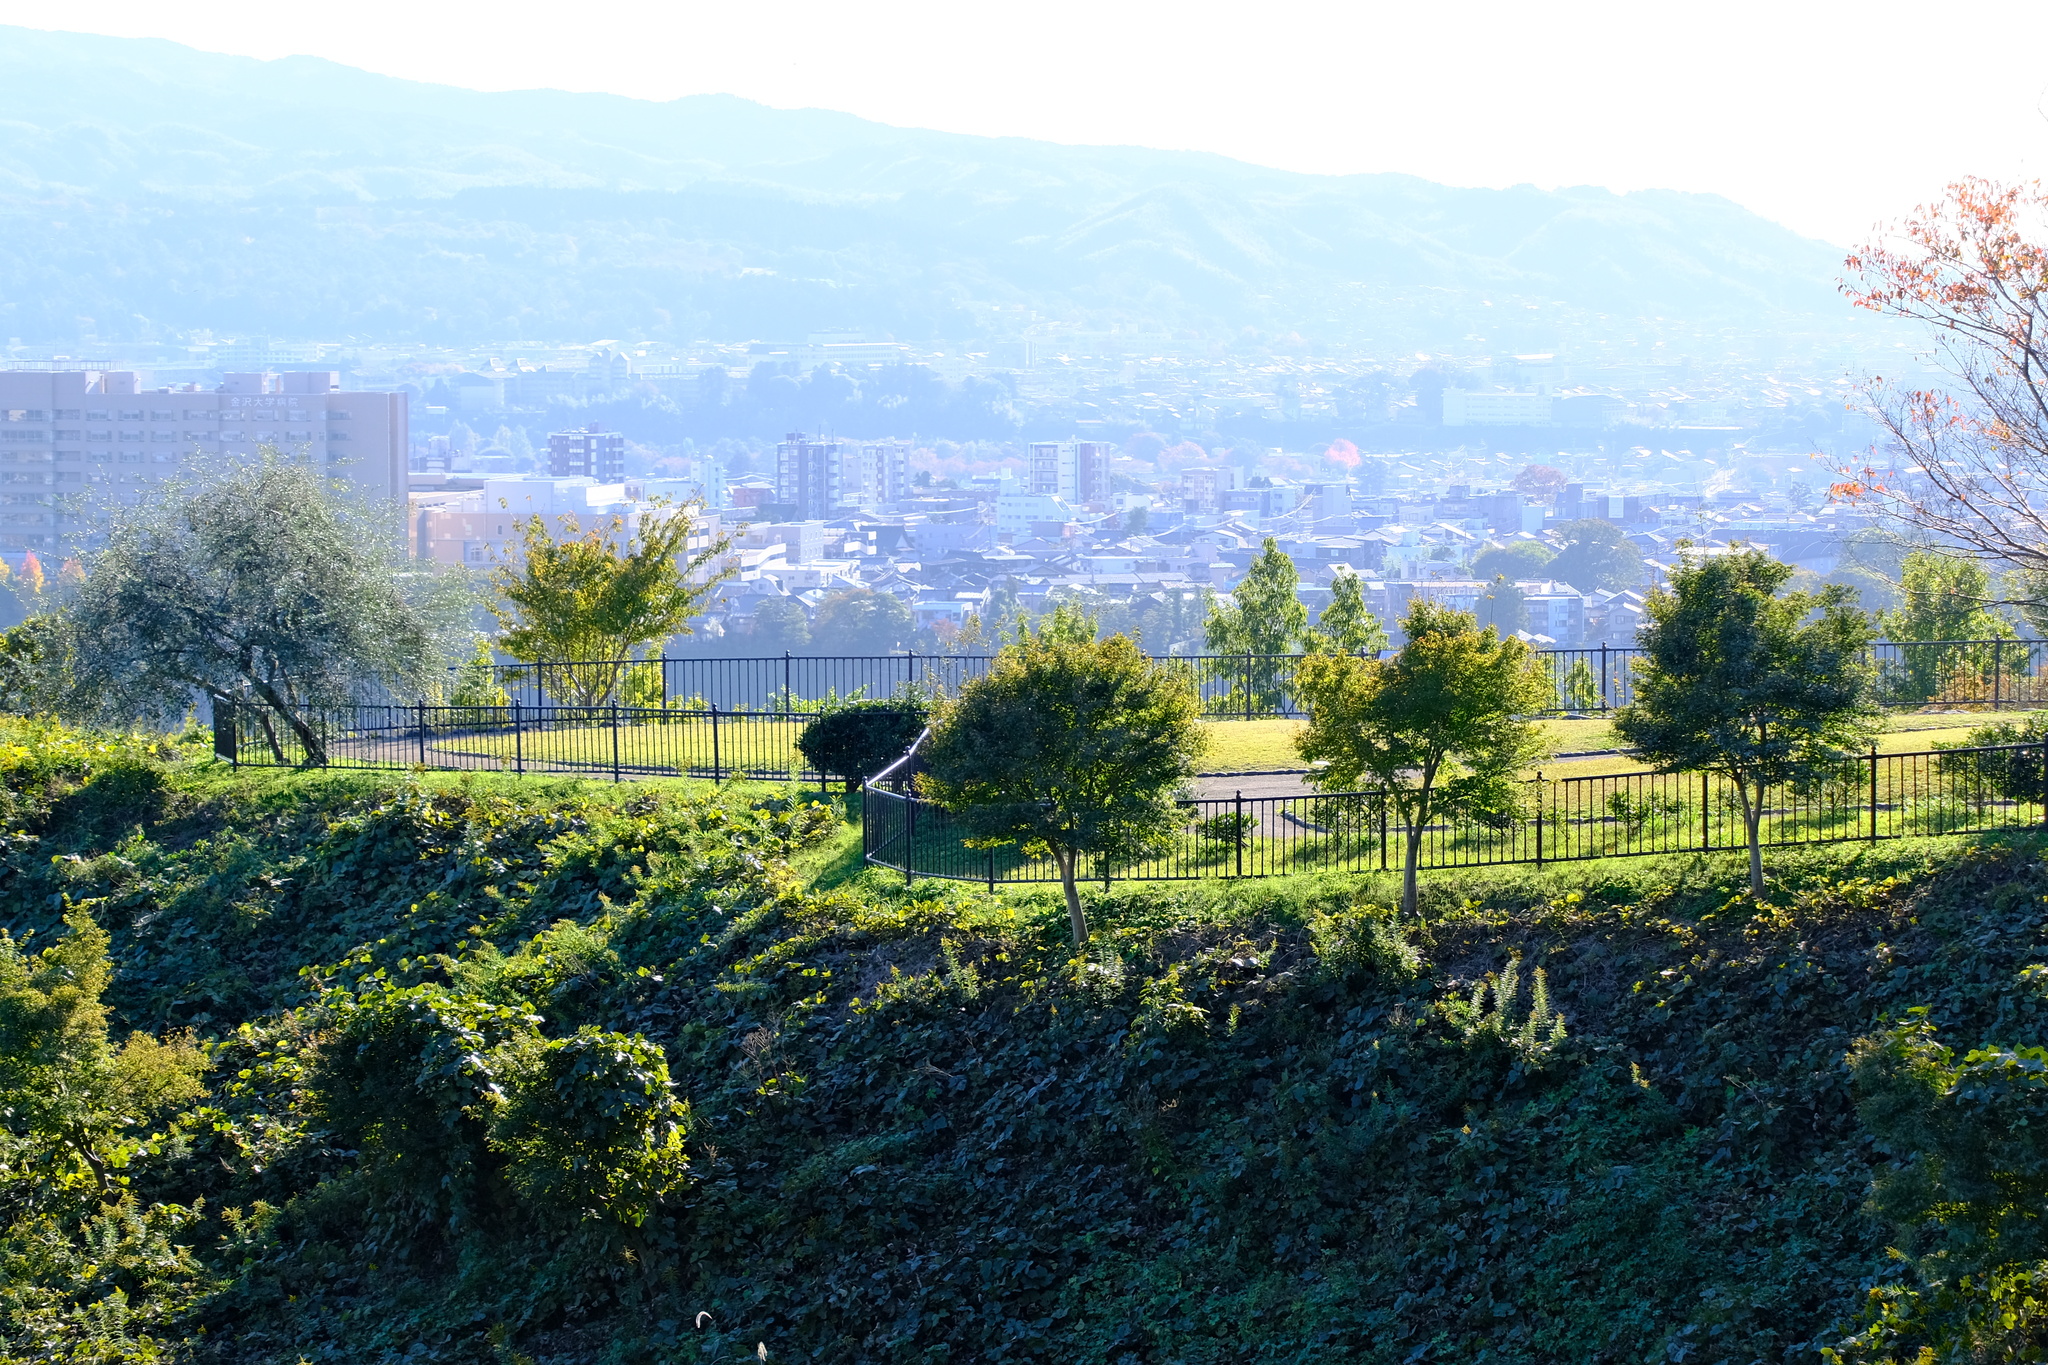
1966,464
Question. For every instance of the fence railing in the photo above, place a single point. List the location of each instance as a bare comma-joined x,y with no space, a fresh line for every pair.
1873,797
1592,680
615,742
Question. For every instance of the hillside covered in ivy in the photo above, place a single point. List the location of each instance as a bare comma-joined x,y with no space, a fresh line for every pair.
362,1067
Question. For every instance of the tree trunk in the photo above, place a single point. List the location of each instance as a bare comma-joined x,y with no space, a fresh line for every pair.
1076,918
1752,819
1408,861
316,748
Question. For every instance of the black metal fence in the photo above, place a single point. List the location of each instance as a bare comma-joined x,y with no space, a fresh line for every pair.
615,742
1587,681
1879,796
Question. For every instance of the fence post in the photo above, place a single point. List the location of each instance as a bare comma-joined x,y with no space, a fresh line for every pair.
909,836
991,871
518,747
787,696
1604,704
1383,831
714,743
226,741
1873,793
663,666
1247,687
1237,826
1706,811
421,707
1997,672
615,741
2044,784
1539,817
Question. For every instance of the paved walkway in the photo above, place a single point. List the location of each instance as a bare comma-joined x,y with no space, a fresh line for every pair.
1223,786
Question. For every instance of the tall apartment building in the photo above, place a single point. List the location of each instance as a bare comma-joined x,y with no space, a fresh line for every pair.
591,452
822,478
65,435
883,473
809,477
1077,471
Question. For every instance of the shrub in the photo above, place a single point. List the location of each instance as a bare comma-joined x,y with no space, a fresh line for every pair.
2012,773
857,739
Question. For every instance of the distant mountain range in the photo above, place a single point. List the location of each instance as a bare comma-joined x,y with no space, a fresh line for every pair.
147,187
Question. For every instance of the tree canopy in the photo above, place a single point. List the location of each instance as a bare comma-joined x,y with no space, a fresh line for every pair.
1596,555
1765,689
1942,597
1518,559
861,622
592,598
259,581
1076,746
1439,727
1346,625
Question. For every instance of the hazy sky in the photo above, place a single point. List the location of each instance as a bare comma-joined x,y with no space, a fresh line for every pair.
1825,116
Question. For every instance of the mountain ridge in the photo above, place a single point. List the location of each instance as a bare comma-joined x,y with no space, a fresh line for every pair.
184,183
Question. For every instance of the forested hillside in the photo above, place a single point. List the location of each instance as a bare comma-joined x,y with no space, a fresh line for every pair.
148,188
474,1069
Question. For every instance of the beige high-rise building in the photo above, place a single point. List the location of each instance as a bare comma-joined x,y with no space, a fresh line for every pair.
65,435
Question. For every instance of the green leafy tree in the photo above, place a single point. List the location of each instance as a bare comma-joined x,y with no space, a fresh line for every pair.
1963,1192
1735,679
1346,626
1500,607
861,622
1077,747
1596,554
35,666
1517,560
458,1106
781,627
69,1098
1581,687
1943,598
1439,727
1263,619
476,680
257,581
857,739
594,598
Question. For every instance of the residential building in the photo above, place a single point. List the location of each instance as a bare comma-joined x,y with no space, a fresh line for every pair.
1077,471
65,434
1479,408
591,453
810,482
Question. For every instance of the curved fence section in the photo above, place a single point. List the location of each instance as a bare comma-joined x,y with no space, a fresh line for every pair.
1878,796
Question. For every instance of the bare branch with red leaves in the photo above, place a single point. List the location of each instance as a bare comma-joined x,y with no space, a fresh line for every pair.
1970,466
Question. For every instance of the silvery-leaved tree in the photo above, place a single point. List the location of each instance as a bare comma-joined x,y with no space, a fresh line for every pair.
260,581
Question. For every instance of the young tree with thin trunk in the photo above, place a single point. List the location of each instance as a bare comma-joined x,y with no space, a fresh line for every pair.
1347,625
1733,678
1074,746
259,582
1439,727
590,599
1263,618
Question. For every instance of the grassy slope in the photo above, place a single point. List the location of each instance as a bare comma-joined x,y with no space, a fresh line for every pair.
1261,1123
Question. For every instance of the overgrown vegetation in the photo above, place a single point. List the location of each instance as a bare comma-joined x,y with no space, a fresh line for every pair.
358,1067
